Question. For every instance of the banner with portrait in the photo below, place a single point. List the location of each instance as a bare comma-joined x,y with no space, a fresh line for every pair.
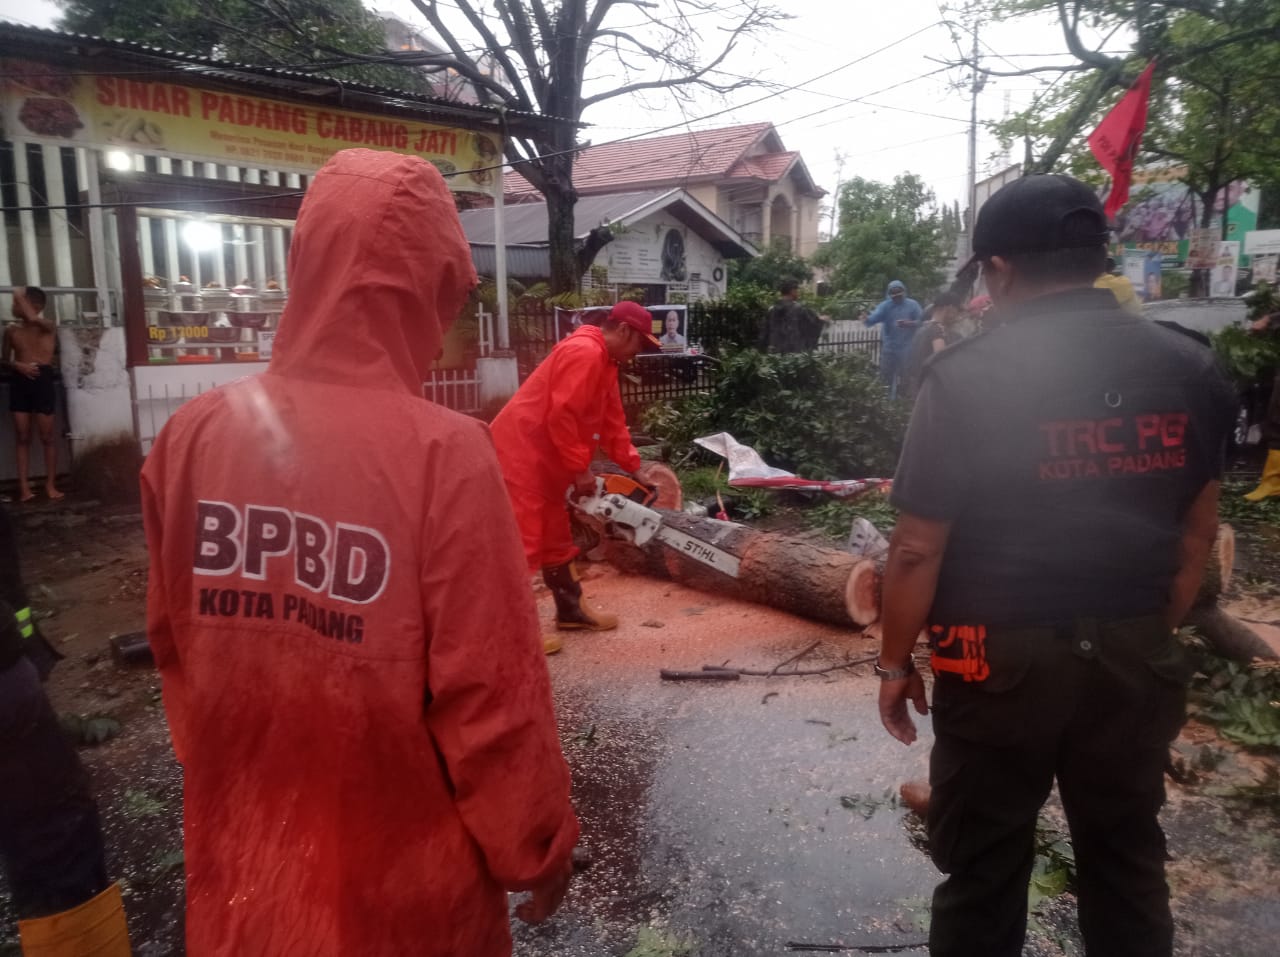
671,326
1222,278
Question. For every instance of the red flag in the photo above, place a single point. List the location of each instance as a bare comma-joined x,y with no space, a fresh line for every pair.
1116,140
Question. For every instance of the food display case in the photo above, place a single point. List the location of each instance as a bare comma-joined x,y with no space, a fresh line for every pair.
202,266
187,324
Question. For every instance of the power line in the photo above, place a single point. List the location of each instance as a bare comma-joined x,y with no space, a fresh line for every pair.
695,154
737,106
639,135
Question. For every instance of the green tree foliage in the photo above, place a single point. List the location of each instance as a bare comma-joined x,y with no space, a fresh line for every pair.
284,33
821,415
770,269
1216,114
888,231
753,283
1213,108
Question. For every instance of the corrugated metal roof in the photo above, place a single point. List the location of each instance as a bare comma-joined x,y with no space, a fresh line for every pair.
27,40
526,263
526,223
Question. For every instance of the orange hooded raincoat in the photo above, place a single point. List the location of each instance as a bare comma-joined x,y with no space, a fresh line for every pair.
341,618
569,407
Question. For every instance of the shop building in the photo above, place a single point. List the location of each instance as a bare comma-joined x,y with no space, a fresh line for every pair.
153,194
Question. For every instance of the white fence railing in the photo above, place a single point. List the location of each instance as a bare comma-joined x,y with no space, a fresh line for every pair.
457,389
155,402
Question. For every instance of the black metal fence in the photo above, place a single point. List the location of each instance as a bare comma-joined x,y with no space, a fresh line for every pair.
718,326
662,378
849,335
714,328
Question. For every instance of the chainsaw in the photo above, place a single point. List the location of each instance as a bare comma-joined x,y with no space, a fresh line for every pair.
621,506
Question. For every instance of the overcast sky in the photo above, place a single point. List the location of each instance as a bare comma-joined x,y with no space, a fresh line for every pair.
881,137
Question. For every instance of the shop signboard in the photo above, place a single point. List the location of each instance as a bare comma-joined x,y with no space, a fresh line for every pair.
1264,268
1262,242
47,104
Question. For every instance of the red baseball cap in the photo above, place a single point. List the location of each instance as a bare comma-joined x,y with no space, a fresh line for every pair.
637,317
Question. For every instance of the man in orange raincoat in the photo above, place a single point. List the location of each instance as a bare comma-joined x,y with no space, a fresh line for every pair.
341,618
546,437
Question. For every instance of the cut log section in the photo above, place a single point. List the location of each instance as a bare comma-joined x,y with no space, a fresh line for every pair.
862,593
661,477
774,570
1219,568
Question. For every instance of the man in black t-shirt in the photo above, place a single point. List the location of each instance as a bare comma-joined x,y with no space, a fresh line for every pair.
1058,494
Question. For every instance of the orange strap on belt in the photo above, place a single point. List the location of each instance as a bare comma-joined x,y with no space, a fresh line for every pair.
972,663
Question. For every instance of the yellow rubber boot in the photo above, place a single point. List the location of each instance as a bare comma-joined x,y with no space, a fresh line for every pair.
1270,483
588,618
572,612
96,928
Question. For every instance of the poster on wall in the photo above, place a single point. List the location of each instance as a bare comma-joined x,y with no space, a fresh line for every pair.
1222,278
1203,248
43,103
1152,276
1264,268
671,326
1135,267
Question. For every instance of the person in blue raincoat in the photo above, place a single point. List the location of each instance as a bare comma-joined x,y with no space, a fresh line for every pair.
901,318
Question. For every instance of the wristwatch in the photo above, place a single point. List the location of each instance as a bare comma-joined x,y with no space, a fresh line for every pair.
895,674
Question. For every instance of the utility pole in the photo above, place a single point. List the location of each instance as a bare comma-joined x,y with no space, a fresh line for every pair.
975,89
841,156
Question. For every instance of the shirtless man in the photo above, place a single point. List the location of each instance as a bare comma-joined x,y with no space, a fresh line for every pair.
28,351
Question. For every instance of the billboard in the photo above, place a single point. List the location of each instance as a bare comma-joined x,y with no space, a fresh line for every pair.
1163,215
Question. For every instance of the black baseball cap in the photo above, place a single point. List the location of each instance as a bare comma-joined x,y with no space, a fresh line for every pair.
1038,214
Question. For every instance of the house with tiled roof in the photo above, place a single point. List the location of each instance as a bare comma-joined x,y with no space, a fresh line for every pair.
744,174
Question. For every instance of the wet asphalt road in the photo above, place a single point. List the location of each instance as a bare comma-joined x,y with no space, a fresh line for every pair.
734,817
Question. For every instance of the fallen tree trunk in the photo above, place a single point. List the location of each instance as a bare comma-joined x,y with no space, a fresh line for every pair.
786,573
833,586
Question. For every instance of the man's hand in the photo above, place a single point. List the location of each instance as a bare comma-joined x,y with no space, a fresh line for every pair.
546,897
29,369
894,696
584,484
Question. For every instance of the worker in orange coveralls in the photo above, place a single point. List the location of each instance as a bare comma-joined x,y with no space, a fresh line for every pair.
341,618
546,437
